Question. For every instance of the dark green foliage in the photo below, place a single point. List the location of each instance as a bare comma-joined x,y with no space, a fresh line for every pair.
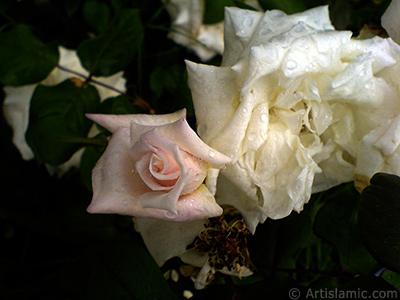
114,48
379,219
57,120
25,59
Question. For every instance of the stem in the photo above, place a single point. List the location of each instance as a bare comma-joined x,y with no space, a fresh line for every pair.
178,32
158,12
136,101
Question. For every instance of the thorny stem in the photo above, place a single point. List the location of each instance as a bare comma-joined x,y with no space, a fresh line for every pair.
136,100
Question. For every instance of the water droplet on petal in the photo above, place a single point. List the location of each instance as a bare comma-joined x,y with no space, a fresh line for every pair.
211,153
171,215
245,110
248,22
368,85
265,31
276,14
291,65
264,117
344,40
252,136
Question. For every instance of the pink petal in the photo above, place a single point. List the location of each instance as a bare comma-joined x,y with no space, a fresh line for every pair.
142,166
181,133
112,122
197,205
117,186
162,200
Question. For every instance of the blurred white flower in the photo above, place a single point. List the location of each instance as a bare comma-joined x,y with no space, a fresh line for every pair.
290,105
188,29
391,21
17,101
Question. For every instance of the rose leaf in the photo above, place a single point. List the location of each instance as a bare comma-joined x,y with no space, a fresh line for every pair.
114,48
336,222
288,6
58,126
24,58
379,219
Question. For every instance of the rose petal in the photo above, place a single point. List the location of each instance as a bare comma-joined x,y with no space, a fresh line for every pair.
164,239
379,152
196,205
390,20
284,171
143,166
117,186
229,193
181,133
222,97
161,200
112,122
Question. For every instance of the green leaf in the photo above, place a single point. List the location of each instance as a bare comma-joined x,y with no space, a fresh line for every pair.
24,58
276,241
97,14
168,78
124,270
288,6
117,106
336,222
393,278
368,286
58,126
379,219
115,48
215,9
71,7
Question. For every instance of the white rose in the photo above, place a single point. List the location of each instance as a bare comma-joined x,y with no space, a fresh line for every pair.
380,149
290,105
17,101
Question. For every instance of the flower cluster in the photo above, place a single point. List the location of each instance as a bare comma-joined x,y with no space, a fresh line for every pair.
296,107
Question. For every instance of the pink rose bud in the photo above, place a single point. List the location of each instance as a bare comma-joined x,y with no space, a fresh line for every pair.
154,166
